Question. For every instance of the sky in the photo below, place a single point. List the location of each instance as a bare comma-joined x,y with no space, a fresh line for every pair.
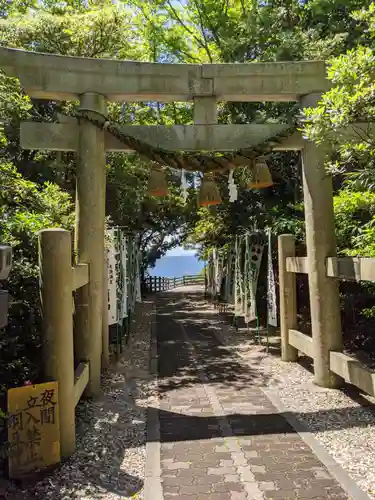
179,251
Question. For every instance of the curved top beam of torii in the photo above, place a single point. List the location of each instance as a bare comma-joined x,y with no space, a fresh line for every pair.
58,77
55,77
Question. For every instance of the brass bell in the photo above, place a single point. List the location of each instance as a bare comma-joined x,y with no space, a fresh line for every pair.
260,175
157,182
209,193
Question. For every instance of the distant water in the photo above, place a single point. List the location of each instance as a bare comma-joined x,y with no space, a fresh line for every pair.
177,265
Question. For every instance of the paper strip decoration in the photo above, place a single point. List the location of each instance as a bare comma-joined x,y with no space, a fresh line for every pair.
112,279
232,188
271,287
184,186
124,287
238,280
253,260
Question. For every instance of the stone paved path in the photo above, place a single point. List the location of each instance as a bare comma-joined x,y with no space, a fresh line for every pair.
221,438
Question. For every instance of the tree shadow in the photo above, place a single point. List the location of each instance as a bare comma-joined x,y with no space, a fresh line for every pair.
187,344
180,324
176,427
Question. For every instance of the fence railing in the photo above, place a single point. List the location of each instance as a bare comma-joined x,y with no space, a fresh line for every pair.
294,341
162,283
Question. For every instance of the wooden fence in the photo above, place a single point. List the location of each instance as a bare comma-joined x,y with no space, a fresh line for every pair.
161,283
294,341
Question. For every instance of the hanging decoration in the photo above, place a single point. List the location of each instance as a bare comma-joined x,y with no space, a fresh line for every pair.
260,174
157,182
271,287
249,306
188,161
232,188
211,277
229,275
138,296
184,186
192,162
112,278
209,193
256,247
238,279
218,271
124,272
123,275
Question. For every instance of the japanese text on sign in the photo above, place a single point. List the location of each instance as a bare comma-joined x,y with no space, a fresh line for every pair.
33,428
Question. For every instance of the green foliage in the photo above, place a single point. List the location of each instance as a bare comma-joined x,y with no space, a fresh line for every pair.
25,209
355,222
350,101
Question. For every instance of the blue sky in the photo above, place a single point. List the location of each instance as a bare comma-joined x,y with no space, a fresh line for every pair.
179,251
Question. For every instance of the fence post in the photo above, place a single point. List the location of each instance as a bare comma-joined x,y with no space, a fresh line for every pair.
105,330
288,297
174,282
154,284
183,280
56,287
159,284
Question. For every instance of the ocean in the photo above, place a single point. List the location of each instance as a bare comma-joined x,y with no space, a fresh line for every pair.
177,265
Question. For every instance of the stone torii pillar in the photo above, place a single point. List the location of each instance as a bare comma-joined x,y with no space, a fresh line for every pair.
89,242
321,243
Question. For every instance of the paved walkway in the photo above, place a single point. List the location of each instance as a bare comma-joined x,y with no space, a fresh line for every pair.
220,436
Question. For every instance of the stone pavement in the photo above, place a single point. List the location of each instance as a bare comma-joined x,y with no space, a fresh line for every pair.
220,436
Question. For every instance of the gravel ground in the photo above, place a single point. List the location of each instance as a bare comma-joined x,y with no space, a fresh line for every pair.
111,431
110,459
343,421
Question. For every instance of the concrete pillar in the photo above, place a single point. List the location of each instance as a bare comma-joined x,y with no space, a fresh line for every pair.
105,328
288,297
205,110
321,243
91,186
56,286
205,113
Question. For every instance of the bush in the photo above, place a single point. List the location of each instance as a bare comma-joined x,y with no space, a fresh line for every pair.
26,208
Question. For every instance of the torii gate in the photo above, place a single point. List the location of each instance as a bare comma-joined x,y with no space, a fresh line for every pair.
93,81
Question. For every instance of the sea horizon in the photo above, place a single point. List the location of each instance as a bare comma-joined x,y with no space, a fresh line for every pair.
170,266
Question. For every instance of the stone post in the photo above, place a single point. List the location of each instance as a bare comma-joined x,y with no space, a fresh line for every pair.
205,110
91,187
56,286
288,297
205,113
321,243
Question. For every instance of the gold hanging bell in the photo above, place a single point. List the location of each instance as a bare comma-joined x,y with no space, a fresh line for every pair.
209,193
157,182
260,175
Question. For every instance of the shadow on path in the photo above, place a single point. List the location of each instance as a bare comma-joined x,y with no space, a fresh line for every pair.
179,368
